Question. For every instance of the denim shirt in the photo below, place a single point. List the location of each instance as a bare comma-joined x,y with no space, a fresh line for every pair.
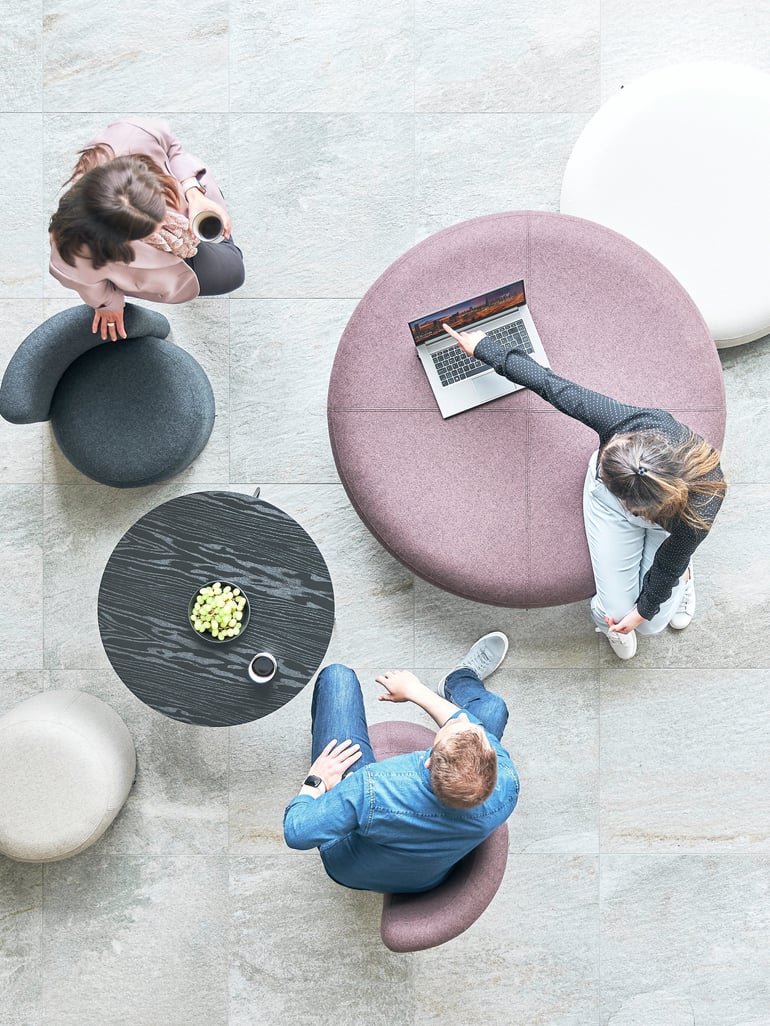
383,829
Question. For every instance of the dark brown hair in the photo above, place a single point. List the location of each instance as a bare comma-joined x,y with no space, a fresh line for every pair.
663,482
463,770
112,201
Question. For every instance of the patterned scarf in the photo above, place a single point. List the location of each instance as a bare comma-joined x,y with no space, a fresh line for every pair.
174,236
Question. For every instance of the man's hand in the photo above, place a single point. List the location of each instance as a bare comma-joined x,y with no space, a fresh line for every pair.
334,760
466,340
400,685
627,624
109,323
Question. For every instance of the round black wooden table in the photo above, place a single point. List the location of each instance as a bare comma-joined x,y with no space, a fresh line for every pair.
158,565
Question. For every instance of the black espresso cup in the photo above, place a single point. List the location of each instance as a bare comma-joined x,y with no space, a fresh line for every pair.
262,667
208,226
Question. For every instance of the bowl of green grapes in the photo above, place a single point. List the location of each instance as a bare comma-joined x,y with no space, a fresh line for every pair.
219,611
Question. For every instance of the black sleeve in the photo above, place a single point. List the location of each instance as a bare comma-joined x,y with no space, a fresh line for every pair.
673,557
605,415
670,562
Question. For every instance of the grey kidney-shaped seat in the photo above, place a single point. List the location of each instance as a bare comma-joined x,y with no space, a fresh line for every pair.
126,413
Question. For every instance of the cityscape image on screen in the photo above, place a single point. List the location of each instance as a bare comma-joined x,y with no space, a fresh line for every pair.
461,315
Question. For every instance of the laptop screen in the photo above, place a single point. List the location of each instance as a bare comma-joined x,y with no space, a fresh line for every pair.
463,315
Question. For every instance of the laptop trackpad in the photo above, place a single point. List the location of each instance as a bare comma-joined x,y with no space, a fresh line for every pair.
487,386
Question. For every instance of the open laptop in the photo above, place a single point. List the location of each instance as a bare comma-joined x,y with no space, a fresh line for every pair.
460,382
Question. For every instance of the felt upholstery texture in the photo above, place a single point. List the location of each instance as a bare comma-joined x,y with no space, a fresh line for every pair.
413,922
487,504
36,367
127,413
67,763
132,414
677,161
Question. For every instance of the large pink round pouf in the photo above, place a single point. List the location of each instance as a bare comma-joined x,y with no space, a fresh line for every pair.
487,504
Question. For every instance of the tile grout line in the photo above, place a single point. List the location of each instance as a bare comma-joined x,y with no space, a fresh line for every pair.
43,869
414,121
597,638
228,805
44,547
229,63
599,981
414,240
43,539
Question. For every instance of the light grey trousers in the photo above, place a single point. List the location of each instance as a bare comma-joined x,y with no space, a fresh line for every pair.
622,549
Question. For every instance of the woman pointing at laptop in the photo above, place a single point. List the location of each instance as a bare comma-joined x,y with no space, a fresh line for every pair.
652,492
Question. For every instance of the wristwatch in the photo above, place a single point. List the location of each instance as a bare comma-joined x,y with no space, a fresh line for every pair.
313,781
192,183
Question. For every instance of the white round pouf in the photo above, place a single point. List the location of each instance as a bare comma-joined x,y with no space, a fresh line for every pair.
67,763
678,162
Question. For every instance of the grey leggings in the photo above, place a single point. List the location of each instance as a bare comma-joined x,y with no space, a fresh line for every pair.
218,266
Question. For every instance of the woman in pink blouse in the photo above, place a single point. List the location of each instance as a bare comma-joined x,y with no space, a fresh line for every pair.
123,227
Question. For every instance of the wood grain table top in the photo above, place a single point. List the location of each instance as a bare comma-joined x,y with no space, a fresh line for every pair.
176,548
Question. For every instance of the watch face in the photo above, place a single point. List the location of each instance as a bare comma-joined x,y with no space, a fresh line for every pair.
313,780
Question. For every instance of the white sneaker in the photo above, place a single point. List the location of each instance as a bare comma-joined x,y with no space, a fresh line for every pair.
483,658
683,616
623,645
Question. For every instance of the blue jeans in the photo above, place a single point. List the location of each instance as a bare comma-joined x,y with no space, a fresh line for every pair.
338,712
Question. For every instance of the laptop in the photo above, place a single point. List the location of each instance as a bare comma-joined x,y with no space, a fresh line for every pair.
460,382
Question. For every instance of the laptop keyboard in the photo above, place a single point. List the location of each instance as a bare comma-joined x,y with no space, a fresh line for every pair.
510,336
453,365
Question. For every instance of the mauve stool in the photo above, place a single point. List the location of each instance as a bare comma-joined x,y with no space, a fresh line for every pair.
67,763
488,504
413,922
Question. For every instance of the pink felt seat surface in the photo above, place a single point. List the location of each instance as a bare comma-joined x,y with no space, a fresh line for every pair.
487,504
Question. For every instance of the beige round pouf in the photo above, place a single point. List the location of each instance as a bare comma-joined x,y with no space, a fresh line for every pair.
67,763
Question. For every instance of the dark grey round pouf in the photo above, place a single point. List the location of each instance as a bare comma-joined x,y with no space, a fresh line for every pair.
134,412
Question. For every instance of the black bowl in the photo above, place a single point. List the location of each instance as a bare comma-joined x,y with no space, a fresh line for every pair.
206,635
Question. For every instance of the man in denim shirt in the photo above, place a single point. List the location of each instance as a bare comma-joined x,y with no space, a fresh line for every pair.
400,825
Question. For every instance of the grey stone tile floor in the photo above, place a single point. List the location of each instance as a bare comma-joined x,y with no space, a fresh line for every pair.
639,867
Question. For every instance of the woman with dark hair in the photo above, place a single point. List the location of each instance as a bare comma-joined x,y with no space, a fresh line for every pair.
123,226
651,494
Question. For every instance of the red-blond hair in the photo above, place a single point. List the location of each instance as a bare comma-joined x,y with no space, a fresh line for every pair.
463,770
